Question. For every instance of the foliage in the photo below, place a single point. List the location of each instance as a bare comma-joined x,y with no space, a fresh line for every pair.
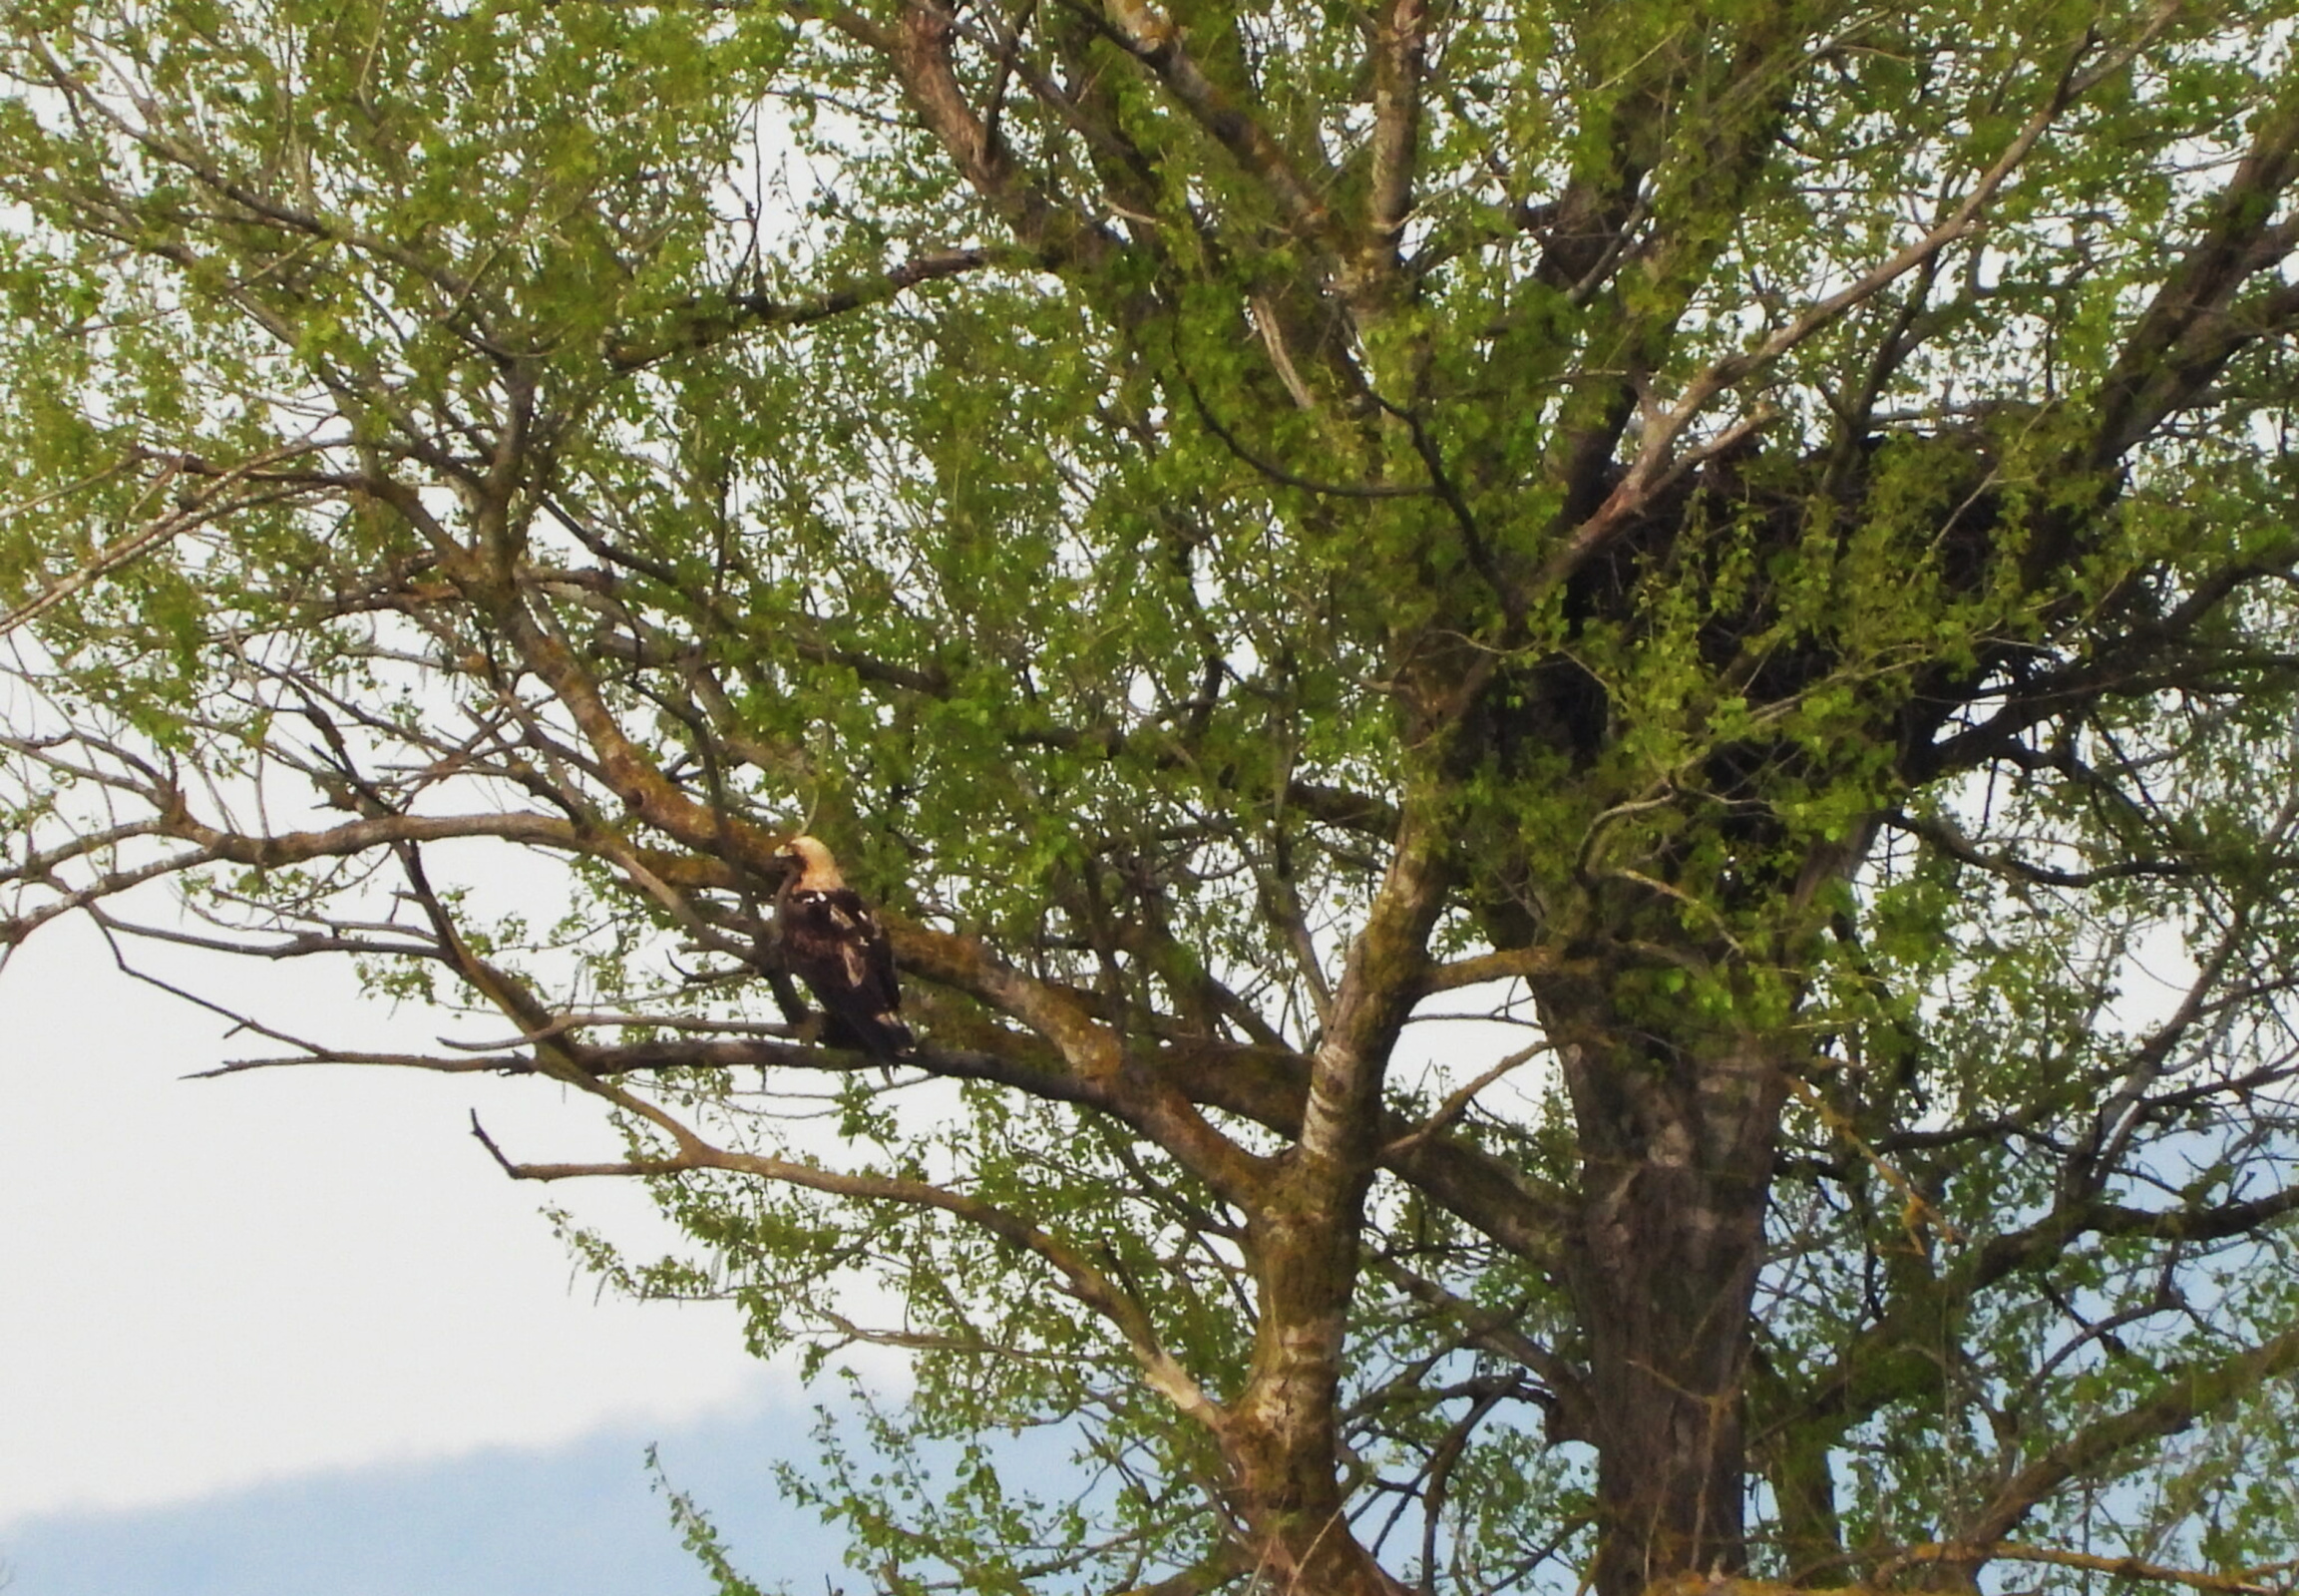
1576,722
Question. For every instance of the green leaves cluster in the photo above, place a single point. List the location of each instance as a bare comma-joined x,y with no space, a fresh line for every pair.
1781,509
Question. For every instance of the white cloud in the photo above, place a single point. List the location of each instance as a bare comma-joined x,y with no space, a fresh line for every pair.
204,1284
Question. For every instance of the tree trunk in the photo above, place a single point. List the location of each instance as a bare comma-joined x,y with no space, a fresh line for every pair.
1283,1430
1676,1150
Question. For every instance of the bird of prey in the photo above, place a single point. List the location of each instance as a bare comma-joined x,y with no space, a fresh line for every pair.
832,942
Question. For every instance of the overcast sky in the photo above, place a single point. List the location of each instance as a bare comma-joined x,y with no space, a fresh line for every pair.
287,1275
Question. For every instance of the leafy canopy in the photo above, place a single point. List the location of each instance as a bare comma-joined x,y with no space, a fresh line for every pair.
1575,720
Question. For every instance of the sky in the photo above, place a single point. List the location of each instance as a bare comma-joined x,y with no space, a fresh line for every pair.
579,1518
300,1306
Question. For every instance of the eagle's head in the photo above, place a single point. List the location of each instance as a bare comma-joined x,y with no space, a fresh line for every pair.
816,870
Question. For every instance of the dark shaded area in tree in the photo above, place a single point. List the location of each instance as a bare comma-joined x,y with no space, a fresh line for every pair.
1745,549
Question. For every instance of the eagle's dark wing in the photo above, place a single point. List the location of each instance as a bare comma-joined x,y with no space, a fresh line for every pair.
832,942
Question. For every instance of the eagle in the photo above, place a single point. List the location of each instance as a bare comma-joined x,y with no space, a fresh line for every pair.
832,942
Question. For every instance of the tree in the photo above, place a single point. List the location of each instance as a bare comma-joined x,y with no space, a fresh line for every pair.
1745,547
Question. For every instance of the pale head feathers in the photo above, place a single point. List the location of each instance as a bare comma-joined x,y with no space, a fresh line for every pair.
817,870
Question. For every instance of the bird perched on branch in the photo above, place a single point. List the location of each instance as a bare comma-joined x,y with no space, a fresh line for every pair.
832,942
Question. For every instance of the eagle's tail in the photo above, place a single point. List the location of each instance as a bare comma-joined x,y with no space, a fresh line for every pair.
882,1035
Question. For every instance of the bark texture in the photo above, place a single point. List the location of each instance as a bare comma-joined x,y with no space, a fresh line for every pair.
1676,1146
